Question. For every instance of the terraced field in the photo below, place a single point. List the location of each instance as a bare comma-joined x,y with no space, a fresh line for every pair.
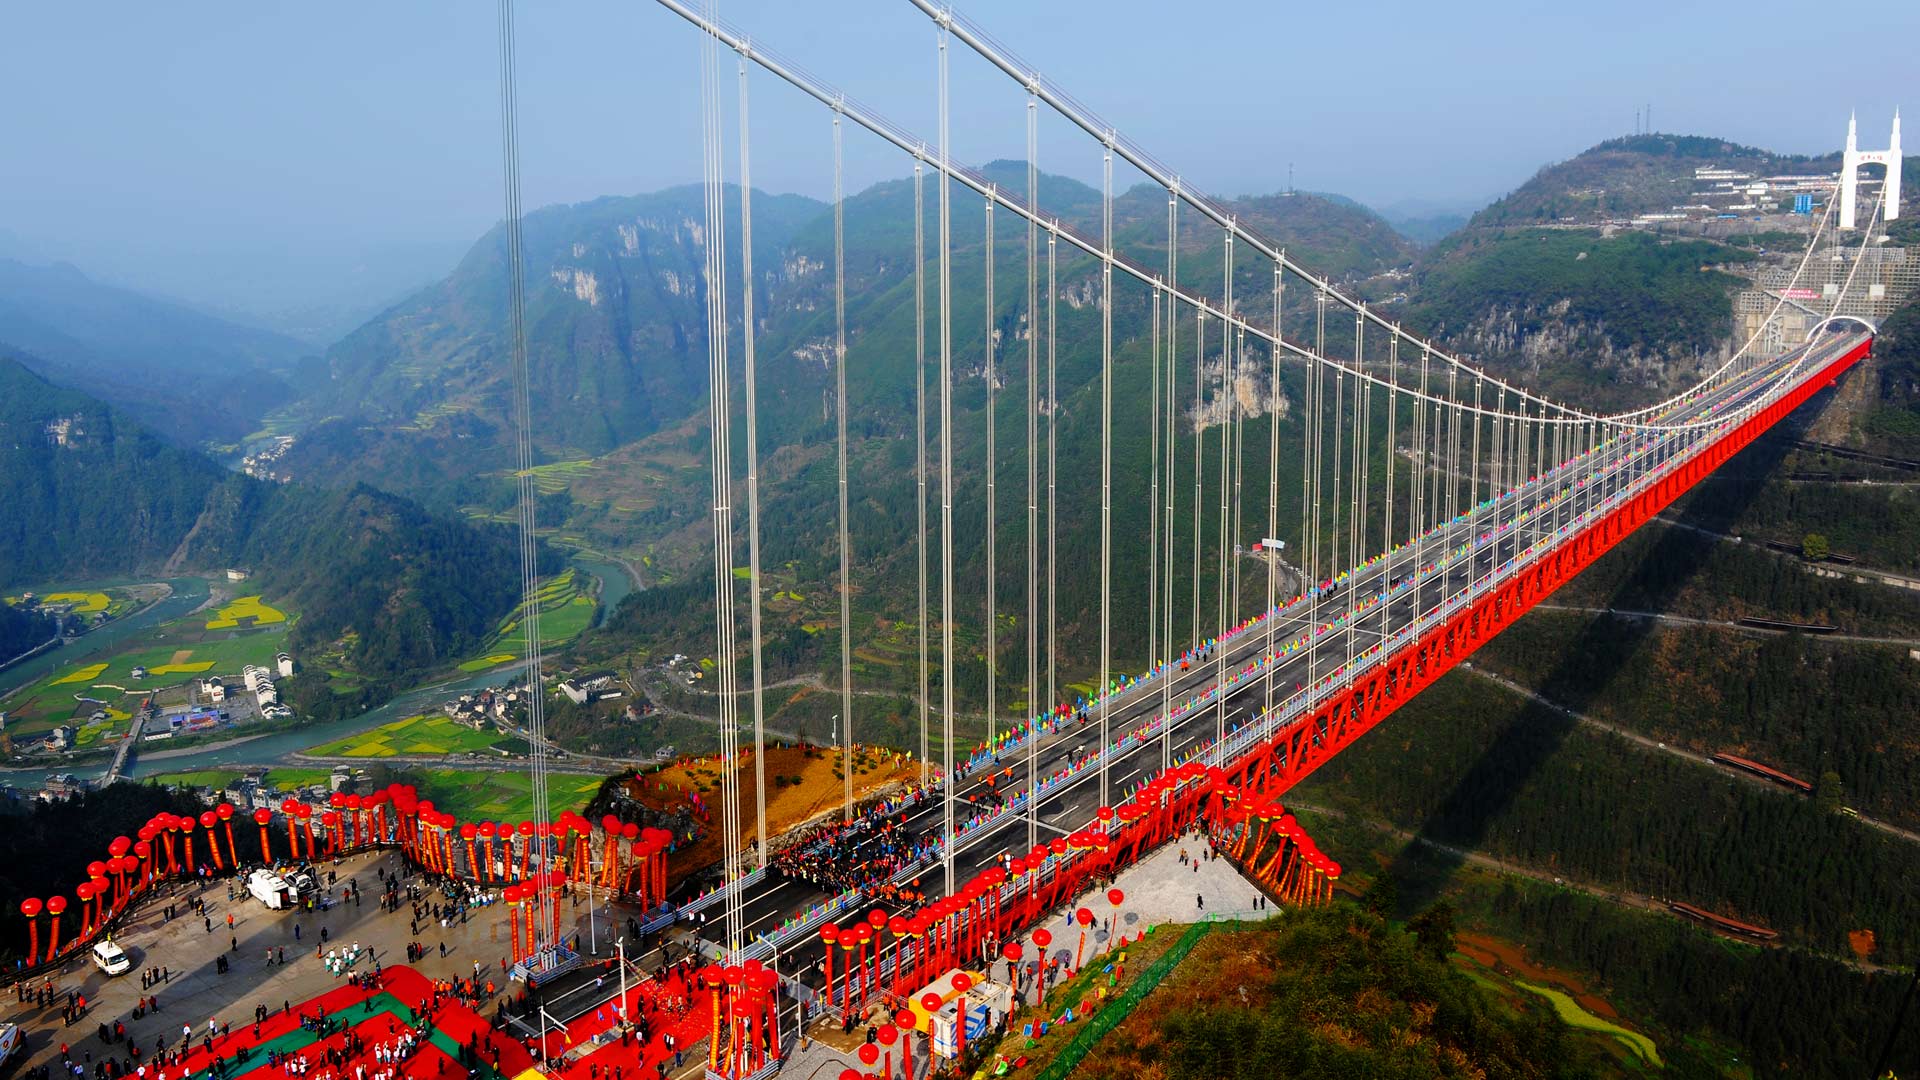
430,734
246,611
565,611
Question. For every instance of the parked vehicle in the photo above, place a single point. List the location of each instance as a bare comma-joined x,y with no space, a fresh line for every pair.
111,959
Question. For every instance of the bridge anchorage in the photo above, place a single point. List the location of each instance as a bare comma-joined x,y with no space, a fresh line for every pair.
1423,504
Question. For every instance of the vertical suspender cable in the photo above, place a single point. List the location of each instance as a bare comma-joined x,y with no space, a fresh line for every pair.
920,436
726,659
1053,470
1225,522
523,422
753,477
1199,458
1230,537
1356,484
1423,443
1453,477
1422,461
1308,475
1105,699
946,476
1392,448
1153,484
1363,448
1166,552
1473,457
1336,564
993,535
1036,706
840,460
1153,488
1273,483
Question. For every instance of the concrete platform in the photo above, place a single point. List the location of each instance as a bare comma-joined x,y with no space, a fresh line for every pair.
195,992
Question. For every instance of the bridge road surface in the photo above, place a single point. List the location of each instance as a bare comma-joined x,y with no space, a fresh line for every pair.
1588,484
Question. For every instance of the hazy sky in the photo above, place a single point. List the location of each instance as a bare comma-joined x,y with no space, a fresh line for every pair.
269,155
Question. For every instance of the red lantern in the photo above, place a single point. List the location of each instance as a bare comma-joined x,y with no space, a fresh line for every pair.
1043,938
1084,916
1116,897
55,905
930,1001
962,981
869,1053
30,907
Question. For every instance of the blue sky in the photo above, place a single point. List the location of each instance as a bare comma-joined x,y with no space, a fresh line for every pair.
260,155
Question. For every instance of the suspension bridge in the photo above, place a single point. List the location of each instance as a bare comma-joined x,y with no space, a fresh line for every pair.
1428,504
1436,503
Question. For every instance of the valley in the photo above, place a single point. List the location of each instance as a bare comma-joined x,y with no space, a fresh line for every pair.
1548,803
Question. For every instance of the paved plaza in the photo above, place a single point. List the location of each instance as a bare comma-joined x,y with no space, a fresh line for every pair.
194,992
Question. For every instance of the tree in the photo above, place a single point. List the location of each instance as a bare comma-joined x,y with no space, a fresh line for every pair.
1382,897
1829,794
1433,929
1814,547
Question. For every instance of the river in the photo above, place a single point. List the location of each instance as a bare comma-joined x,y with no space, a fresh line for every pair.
614,585
615,582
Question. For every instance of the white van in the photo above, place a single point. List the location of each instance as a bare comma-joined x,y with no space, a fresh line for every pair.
111,959
272,890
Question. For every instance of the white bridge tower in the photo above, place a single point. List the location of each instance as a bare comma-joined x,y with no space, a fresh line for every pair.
1850,172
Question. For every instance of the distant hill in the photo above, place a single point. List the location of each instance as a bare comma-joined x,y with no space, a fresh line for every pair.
615,314
1634,174
90,493
1608,318
190,376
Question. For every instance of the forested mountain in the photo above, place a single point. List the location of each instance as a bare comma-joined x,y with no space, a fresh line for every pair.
1892,426
1607,320
89,493
615,332
194,378
21,630
416,400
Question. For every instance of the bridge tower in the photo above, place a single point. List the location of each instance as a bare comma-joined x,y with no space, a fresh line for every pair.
1850,172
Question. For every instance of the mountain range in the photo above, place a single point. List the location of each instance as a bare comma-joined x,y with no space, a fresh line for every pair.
417,400
91,493
194,377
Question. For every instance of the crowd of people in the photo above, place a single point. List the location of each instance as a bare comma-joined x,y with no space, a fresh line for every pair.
863,853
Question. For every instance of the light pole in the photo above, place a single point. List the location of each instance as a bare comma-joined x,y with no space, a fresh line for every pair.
620,951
